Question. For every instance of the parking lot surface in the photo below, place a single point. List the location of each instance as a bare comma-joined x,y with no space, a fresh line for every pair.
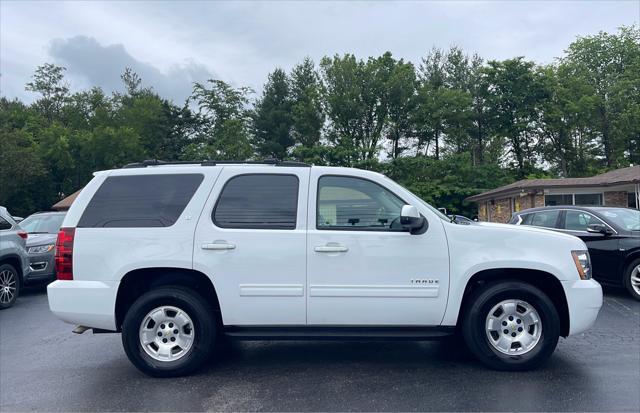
43,366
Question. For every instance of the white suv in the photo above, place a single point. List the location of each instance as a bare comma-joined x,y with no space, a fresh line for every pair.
177,256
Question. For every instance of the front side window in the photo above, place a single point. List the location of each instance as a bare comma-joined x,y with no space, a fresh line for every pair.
545,218
139,201
258,201
350,203
579,220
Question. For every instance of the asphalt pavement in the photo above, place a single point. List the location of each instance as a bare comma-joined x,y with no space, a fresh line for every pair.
43,366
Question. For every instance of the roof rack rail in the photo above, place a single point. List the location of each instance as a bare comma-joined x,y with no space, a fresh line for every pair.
211,162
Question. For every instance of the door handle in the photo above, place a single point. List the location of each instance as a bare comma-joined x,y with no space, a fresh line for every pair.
331,248
218,246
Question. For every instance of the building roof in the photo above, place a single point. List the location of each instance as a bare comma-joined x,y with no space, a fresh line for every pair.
616,177
65,203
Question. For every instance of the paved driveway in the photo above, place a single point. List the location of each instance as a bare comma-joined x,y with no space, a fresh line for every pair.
45,367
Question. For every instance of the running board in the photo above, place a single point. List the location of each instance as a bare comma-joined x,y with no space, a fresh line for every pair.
339,333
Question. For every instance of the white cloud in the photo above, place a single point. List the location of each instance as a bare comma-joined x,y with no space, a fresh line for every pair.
173,43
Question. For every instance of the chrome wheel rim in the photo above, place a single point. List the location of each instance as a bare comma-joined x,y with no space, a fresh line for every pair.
8,286
513,327
166,333
635,279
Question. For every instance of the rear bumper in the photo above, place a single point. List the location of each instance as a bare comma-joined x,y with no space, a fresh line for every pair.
87,303
584,299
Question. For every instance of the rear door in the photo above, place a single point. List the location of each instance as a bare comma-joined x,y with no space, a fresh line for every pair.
251,239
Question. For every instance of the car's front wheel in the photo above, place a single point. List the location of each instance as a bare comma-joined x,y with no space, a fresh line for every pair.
632,279
9,286
511,325
169,331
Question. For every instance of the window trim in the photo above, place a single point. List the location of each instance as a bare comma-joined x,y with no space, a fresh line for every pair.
224,186
351,228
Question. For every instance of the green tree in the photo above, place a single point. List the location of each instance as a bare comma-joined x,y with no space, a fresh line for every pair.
401,100
609,62
443,110
272,118
48,81
223,122
516,91
568,143
306,104
355,95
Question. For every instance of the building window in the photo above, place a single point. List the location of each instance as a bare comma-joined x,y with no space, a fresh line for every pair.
554,200
632,200
573,199
588,199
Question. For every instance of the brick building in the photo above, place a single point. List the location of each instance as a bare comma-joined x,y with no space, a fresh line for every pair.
616,188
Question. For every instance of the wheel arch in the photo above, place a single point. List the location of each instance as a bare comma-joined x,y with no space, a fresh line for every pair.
545,281
15,261
635,255
139,281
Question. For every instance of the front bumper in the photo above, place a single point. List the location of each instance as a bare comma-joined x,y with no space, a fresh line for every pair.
41,268
584,299
87,303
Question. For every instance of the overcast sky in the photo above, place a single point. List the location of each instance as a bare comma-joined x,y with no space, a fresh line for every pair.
171,45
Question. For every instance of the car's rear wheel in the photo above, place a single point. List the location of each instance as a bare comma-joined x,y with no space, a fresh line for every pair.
511,325
169,331
9,285
632,279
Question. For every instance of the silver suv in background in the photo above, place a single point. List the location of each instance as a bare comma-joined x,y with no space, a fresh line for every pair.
42,228
14,262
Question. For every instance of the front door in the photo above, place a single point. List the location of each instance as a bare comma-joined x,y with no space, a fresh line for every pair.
603,249
251,239
363,269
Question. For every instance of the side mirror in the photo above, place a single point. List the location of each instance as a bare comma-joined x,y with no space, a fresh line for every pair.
598,229
411,219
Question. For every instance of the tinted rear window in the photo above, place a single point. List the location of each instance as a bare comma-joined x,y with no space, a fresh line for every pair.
140,200
266,201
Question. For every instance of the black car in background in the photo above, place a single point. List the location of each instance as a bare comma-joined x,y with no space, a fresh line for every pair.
611,234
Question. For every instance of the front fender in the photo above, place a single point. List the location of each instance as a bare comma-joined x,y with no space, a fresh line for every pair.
477,248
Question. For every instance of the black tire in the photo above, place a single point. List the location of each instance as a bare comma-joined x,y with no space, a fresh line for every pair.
204,330
627,278
474,330
8,270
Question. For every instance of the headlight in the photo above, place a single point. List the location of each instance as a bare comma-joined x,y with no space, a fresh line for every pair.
41,249
583,263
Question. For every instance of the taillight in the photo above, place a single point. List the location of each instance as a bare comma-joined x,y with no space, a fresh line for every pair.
64,254
22,234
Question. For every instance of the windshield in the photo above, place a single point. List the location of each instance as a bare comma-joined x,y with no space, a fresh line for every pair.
42,223
433,209
628,219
